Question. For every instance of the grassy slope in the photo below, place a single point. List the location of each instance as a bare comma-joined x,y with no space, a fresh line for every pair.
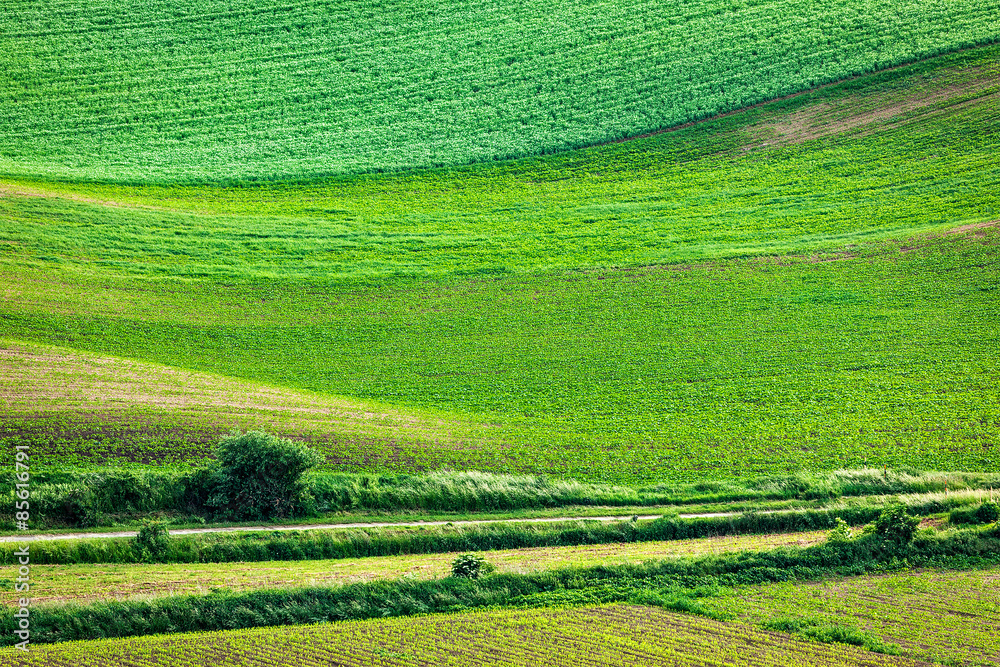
216,89
885,356
150,413
903,151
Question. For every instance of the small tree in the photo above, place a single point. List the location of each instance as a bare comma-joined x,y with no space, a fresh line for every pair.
261,476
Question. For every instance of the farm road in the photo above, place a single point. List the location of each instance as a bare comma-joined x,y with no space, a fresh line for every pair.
331,526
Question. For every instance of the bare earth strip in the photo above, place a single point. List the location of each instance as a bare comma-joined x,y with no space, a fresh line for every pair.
864,115
607,635
90,583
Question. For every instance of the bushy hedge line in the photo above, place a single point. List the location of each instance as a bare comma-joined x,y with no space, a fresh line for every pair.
988,512
644,583
320,544
87,499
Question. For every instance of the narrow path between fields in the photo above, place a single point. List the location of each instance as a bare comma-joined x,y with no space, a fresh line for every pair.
333,526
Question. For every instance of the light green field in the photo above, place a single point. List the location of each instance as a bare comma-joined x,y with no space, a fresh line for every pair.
612,314
90,583
196,90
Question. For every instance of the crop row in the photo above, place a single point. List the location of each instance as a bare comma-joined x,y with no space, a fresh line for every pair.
944,616
611,635
249,90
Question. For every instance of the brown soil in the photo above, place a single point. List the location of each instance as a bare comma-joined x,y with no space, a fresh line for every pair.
828,119
977,230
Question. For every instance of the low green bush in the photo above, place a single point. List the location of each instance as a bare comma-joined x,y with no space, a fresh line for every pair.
152,542
260,476
470,566
988,512
895,524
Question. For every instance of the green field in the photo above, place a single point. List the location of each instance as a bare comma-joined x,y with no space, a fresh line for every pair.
90,583
196,90
609,635
941,616
810,284
534,259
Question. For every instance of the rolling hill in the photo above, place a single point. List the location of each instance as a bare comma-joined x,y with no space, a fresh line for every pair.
805,284
232,91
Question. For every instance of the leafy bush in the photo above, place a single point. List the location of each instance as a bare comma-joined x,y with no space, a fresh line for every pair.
841,532
152,542
261,476
988,512
64,504
470,566
896,525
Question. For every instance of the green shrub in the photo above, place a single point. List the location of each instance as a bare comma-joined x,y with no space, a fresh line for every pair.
261,476
894,524
152,542
988,512
841,532
124,490
470,566
64,504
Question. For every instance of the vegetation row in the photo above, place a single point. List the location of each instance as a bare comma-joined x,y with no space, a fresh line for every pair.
670,583
67,497
359,543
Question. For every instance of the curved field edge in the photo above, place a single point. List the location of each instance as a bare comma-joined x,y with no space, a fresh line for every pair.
593,635
121,409
899,153
243,91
